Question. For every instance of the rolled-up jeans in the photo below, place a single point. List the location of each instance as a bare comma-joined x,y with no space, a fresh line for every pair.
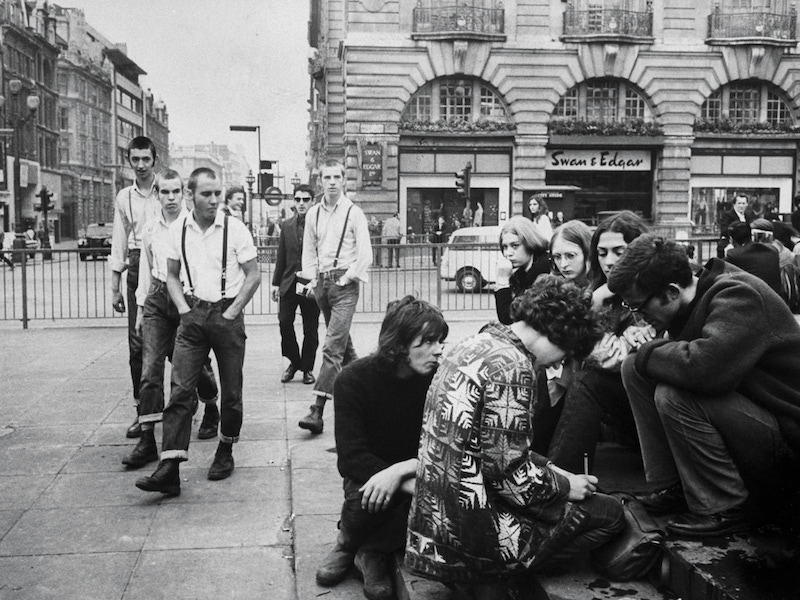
134,339
383,531
159,327
203,329
337,304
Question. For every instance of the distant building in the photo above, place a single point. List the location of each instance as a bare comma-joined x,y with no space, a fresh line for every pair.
230,165
157,127
665,108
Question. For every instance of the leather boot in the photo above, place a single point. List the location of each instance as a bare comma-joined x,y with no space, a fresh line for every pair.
145,451
165,479
335,566
313,420
222,467
375,570
135,430
210,422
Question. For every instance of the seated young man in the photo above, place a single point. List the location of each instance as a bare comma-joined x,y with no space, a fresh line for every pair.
378,418
486,507
717,402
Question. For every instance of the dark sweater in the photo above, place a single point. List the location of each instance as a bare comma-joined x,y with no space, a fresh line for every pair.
378,417
519,281
736,335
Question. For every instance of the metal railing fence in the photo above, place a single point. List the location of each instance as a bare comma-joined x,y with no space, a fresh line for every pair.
64,286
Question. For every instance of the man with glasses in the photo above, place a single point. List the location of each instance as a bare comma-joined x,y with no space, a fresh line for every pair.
291,292
717,400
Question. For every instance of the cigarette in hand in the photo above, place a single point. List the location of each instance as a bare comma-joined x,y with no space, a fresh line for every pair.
585,463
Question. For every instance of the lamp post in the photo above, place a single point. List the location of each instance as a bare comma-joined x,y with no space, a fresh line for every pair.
257,129
250,180
15,87
295,181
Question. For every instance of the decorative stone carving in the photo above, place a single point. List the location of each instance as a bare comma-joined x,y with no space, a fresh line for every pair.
459,54
373,5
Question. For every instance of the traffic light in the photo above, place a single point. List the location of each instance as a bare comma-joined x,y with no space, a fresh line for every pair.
463,181
267,180
46,200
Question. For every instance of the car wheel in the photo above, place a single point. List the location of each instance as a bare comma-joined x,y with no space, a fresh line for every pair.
469,280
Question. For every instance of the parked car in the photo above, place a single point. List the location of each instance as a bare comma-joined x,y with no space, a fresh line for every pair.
471,257
96,243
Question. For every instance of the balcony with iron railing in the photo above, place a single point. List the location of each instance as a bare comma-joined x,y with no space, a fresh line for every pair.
771,29
459,22
608,25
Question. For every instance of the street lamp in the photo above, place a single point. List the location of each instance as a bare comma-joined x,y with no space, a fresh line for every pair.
295,181
15,87
257,129
250,180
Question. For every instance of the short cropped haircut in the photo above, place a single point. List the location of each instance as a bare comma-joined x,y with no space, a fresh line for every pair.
578,233
166,175
236,189
406,319
524,229
561,311
304,187
195,175
650,263
332,162
739,233
629,224
784,233
141,142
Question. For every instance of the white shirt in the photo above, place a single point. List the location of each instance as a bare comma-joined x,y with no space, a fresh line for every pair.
204,255
323,231
155,249
133,209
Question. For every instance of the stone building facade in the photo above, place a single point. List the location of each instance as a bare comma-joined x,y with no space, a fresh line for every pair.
667,108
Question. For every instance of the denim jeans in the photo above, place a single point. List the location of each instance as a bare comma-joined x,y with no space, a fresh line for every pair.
203,329
338,304
722,448
393,251
161,321
383,531
134,339
309,310
593,396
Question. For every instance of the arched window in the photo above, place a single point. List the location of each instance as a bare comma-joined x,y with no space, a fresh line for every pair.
747,102
604,101
456,101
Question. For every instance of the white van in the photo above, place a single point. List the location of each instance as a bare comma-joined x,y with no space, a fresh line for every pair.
471,258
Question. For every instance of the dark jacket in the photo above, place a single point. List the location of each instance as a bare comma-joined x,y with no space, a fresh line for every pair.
290,255
760,260
736,335
729,216
519,281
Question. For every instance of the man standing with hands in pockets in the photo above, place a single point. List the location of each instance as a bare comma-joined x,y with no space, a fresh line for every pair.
218,259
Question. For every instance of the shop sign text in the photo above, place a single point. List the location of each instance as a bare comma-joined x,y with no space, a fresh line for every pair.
598,160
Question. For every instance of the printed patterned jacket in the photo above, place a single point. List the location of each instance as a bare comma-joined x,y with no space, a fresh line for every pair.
485,505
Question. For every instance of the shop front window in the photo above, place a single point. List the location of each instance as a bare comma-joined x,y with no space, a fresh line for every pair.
708,203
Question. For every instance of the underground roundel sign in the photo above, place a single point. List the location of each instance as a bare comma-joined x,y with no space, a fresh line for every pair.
273,195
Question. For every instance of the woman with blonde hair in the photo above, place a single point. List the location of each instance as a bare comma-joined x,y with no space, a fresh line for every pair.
526,250
569,252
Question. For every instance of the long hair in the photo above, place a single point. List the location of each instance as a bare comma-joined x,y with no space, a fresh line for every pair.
578,233
523,228
405,320
629,224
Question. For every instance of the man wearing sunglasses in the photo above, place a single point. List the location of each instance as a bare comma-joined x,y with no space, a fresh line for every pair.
717,400
290,292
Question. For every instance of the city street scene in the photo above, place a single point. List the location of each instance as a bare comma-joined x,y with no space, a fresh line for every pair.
400,299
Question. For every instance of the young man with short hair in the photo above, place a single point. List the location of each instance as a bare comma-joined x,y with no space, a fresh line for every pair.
290,293
218,259
717,401
157,321
234,202
379,402
336,256
134,207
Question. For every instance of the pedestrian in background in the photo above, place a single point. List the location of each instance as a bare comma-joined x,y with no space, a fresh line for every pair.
134,207
2,250
336,256
392,234
375,228
234,202
540,217
290,292
218,259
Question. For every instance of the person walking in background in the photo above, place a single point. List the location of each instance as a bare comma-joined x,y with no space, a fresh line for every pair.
540,218
336,256
290,292
375,228
2,250
438,237
379,401
477,219
134,206
157,322
234,202
218,259
392,233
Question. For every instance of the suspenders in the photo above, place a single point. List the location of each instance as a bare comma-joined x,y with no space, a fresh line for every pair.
341,239
224,278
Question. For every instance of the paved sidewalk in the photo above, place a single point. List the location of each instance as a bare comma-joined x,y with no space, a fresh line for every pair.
72,524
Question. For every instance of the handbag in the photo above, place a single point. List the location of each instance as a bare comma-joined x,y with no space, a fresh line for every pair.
637,549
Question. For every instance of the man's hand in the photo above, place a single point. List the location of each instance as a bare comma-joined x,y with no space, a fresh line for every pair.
379,489
582,487
230,315
343,281
139,320
117,302
637,335
275,293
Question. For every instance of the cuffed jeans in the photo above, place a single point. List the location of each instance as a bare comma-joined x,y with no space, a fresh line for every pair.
309,311
161,321
134,339
203,329
383,531
338,304
719,447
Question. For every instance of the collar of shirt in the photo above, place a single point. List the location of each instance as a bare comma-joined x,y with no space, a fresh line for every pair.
151,192
219,221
